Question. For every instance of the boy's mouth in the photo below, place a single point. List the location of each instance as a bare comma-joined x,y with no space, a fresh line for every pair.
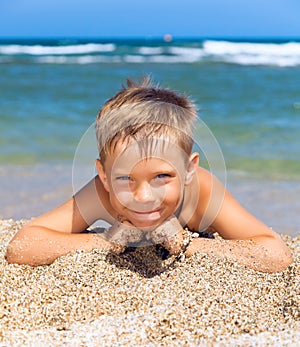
146,215
145,212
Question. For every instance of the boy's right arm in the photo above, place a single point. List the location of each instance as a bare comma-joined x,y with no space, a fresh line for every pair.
58,232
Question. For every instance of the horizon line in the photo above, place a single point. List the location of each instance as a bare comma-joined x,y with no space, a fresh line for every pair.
154,38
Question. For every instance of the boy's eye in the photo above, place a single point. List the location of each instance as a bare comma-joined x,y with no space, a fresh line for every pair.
123,178
163,176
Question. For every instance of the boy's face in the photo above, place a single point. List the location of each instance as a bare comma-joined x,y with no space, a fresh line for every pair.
144,191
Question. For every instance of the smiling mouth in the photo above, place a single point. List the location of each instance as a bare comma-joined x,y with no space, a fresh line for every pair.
144,212
146,215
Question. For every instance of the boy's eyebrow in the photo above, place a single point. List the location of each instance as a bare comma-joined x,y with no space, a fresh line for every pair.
156,172
119,173
165,171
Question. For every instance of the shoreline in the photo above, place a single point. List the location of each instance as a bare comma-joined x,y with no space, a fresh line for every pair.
95,298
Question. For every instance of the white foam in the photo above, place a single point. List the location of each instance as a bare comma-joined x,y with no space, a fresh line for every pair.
150,50
57,50
94,59
166,59
263,60
187,51
281,54
242,53
86,59
173,59
225,47
131,58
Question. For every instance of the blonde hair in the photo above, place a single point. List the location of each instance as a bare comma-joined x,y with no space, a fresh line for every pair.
143,112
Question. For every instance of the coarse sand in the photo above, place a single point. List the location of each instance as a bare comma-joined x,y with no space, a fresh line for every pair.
138,299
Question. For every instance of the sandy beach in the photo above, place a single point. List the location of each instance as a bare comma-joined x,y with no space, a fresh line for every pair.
137,299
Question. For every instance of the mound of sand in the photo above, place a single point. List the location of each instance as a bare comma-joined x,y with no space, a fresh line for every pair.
138,299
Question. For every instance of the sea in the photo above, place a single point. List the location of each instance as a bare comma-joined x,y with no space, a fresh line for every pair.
247,92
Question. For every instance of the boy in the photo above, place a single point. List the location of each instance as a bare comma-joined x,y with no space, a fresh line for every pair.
149,186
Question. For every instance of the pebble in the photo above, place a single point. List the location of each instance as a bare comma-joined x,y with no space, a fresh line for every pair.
138,299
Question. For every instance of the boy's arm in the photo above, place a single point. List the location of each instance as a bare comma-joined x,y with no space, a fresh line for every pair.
36,245
58,232
265,254
245,239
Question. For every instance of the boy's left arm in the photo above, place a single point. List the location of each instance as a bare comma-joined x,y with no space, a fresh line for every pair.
245,240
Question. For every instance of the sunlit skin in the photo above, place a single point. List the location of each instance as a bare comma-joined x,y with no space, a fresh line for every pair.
144,191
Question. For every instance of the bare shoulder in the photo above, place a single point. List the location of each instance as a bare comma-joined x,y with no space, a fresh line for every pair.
209,188
218,209
205,192
225,213
93,202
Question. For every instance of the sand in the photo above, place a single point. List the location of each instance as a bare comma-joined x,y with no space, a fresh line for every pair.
138,299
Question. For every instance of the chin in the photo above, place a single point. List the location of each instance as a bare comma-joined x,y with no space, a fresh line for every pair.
146,226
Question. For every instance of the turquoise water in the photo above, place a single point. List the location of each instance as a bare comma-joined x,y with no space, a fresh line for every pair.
248,94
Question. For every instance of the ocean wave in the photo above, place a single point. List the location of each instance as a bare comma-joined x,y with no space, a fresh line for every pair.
150,50
242,53
274,49
161,59
56,50
86,59
245,53
229,52
187,51
164,59
129,58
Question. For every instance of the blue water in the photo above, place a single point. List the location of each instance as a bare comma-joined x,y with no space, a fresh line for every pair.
248,93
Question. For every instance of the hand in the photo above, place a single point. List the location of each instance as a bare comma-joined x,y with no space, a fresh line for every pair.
193,247
170,235
106,245
123,232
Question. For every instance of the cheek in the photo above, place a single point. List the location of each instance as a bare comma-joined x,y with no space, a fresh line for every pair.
119,193
173,194
123,198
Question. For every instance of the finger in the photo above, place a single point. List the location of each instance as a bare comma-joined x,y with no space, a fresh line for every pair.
193,247
106,245
123,234
116,248
170,235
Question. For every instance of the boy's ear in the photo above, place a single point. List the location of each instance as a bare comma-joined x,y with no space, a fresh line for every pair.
191,168
102,174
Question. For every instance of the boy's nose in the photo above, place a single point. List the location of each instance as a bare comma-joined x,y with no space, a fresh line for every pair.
144,193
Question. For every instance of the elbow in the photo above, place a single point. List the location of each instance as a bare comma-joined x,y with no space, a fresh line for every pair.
16,255
13,254
282,259
17,252
280,263
277,256
284,262
272,265
24,249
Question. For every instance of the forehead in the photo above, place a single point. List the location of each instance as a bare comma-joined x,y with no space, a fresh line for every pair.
155,152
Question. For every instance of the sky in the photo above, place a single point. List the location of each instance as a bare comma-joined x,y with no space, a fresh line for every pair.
149,18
